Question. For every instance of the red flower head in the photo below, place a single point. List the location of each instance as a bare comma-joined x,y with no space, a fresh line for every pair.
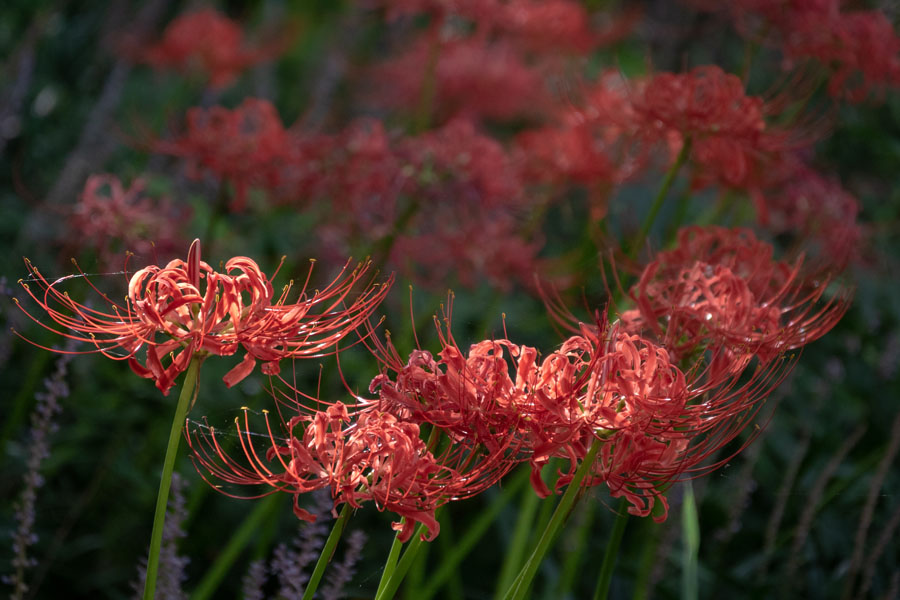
548,25
110,219
187,309
721,288
209,42
595,143
816,209
706,102
472,78
859,47
655,421
247,146
375,456
471,397
471,199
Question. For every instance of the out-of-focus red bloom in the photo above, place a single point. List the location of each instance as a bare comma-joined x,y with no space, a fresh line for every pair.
818,211
721,289
470,77
731,142
706,102
187,309
470,203
476,10
619,125
111,220
208,42
593,143
548,25
860,47
453,189
247,146
541,27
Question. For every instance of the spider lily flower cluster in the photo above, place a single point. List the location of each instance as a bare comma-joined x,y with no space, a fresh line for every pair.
186,309
664,388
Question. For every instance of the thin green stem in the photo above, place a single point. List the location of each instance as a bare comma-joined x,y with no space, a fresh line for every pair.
690,531
522,584
390,565
429,85
406,561
473,535
612,552
574,543
650,540
416,574
185,399
512,560
448,548
327,553
660,197
227,557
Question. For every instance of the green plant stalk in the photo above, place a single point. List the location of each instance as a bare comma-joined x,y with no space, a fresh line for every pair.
390,565
522,584
574,554
327,553
406,561
473,535
185,399
226,558
446,543
416,574
660,197
513,559
612,551
690,531
650,540
429,86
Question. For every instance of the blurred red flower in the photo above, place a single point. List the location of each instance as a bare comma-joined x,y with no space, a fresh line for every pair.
110,220
247,146
208,42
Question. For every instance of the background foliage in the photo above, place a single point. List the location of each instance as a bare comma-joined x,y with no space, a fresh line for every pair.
782,518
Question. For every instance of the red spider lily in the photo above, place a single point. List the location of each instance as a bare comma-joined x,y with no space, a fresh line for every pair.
110,218
377,457
472,78
702,103
594,143
816,209
859,47
548,25
247,146
471,398
732,145
209,42
722,287
406,196
656,422
187,309
468,189
476,10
